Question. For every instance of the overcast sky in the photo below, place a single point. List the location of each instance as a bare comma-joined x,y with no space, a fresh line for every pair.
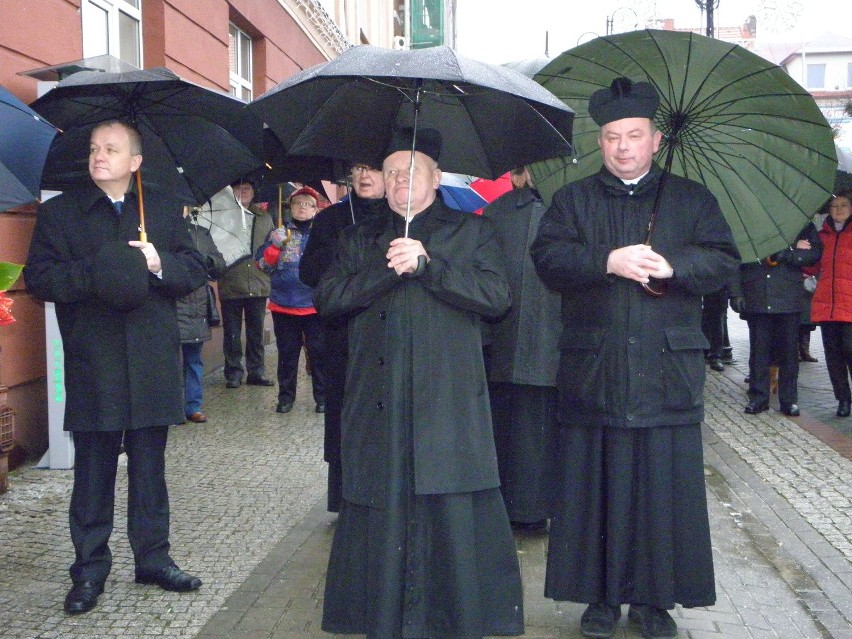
501,31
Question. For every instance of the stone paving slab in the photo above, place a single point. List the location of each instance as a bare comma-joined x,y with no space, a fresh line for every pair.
248,504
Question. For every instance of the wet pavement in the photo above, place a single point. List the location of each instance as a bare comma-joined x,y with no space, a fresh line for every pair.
248,516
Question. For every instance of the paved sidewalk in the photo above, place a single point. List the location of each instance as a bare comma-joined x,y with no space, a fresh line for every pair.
248,516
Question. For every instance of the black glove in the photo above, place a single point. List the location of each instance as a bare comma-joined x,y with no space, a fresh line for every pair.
737,305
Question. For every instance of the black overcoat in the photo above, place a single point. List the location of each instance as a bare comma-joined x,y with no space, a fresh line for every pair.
450,414
629,359
122,369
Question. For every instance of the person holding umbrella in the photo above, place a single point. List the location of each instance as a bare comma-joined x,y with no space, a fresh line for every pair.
364,199
630,523
115,304
423,543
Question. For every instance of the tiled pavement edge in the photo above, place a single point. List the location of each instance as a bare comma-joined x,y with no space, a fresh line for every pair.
249,517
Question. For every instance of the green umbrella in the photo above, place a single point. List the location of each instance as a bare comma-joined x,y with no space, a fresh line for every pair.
730,119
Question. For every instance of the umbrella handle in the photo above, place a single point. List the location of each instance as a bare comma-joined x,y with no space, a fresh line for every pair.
658,288
280,204
143,236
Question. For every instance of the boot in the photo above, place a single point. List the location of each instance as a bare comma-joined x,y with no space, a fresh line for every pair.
805,347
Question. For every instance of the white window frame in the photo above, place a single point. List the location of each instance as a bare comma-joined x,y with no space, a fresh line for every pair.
237,82
113,9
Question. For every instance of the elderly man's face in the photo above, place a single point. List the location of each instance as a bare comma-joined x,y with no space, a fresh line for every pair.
427,177
111,159
628,147
368,182
244,193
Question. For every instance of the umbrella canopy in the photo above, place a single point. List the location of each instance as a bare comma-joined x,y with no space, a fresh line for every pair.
25,139
844,158
458,194
730,119
195,141
491,119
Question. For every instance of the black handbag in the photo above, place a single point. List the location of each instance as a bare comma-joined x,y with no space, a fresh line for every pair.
213,317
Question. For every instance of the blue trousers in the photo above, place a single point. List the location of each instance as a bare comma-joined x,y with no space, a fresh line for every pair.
193,373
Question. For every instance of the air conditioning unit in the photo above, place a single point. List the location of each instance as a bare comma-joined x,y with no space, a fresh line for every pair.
400,42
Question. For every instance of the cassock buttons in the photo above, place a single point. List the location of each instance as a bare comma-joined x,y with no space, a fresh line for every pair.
380,405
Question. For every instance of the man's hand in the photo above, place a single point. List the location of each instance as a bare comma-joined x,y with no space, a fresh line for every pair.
402,255
639,263
151,255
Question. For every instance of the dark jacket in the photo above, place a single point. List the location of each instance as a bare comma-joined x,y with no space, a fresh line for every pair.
629,359
775,285
243,278
122,369
192,308
524,344
443,376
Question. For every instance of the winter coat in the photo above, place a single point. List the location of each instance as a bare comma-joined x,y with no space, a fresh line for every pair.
192,308
832,301
450,417
524,344
775,285
243,278
122,368
629,359
282,264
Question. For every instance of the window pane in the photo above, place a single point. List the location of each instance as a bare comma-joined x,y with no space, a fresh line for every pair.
816,76
133,3
95,31
246,94
232,49
128,33
245,57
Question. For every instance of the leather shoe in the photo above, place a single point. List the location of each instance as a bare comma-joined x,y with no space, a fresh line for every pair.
170,578
599,620
716,365
259,381
232,383
791,410
284,407
653,623
198,418
844,408
753,408
83,596
320,408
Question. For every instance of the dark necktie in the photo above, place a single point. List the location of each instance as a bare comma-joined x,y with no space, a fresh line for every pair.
118,205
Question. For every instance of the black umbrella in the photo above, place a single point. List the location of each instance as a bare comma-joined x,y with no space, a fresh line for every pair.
195,141
491,119
24,141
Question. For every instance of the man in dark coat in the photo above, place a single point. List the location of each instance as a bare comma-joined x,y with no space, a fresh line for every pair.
523,356
770,299
115,305
631,525
423,546
365,199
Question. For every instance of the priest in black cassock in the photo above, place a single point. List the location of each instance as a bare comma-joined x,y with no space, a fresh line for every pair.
631,525
423,546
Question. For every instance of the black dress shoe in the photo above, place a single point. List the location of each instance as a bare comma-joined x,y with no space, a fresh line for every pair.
232,383
599,620
259,381
284,407
844,408
653,623
320,408
753,408
170,578
716,365
83,596
791,410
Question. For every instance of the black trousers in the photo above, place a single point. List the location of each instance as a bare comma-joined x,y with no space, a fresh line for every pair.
837,342
289,332
93,500
714,322
774,339
233,311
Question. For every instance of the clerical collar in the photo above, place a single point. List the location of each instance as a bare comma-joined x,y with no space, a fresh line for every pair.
635,181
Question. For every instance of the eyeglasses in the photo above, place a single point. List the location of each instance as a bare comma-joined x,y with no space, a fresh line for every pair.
304,205
362,168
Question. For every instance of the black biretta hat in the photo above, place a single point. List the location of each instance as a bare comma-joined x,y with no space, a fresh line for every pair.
623,99
428,142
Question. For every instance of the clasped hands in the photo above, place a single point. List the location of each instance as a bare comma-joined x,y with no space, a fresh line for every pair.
151,255
403,253
639,263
